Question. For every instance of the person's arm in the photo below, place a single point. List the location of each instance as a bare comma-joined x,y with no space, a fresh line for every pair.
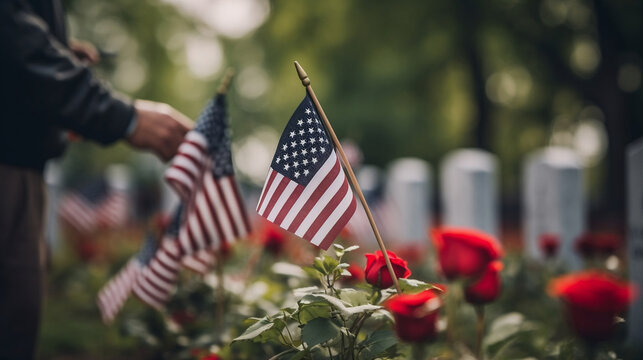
60,85
57,81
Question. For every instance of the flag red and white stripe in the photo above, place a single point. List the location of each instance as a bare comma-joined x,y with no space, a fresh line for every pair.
157,281
77,212
112,296
317,211
112,211
215,211
200,262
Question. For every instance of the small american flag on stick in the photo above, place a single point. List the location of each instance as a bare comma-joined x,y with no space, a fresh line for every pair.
93,207
203,176
306,191
112,296
157,279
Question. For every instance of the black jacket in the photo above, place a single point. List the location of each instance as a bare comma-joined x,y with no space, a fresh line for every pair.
44,88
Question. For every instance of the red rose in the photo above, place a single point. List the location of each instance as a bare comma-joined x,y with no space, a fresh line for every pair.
377,273
357,274
549,244
607,243
414,254
211,357
272,238
183,317
487,288
589,244
415,315
592,299
585,245
464,252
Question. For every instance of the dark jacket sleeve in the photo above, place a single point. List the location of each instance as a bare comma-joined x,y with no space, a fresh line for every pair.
58,84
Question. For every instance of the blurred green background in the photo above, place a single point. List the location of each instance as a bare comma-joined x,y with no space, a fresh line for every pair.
407,78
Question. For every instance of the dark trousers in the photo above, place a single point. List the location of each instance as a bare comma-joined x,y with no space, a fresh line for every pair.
22,200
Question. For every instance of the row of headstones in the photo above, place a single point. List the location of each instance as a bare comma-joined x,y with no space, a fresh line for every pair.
552,194
553,198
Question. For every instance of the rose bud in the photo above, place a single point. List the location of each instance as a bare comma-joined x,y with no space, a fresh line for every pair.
465,253
585,245
607,243
211,357
272,238
377,273
487,288
357,274
593,300
415,315
549,244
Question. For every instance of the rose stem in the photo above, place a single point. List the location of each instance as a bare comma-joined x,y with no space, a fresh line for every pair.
480,330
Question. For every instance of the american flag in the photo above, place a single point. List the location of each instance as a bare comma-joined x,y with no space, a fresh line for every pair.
113,295
96,206
200,262
202,174
306,191
157,279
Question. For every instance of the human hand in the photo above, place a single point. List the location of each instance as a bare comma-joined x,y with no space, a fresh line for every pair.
84,51
160,128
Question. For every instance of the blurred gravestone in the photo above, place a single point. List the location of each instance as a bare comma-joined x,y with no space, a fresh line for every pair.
370,181
553,202
469,190
635,239
408,195
119,184
53,179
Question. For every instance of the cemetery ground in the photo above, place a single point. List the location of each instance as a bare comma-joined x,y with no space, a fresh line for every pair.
260,276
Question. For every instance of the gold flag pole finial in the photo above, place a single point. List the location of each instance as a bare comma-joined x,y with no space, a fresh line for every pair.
302,74
349,170
225,83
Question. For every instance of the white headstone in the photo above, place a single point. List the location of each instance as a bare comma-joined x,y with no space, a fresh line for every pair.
554,202
635,239
408,195
53,179
469,190
118,177
370,181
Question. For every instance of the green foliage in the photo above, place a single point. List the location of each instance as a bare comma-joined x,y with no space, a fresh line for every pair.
330,318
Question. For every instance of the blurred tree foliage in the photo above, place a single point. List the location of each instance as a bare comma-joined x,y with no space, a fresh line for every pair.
403,79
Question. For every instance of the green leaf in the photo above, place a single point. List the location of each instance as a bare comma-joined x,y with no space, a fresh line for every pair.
354,297
414,286
318,331
338,246
301,292
318,264
505,329
310,308
351,248
330,264
343,306
376,343
300,355
255,330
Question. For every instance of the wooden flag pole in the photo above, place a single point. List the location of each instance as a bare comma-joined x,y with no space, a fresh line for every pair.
347,166
225,83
